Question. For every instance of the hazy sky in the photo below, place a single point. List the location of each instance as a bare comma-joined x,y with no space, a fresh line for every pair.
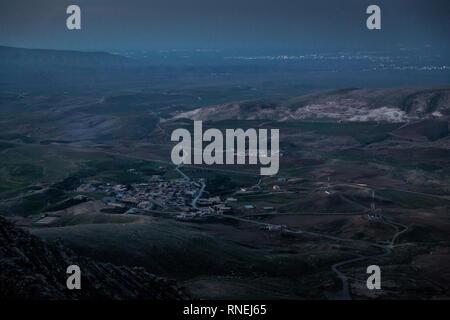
164,24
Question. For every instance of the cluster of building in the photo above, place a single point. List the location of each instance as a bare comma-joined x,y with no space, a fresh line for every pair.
180,196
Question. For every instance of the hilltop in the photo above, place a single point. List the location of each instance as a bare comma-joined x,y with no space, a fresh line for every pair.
388,105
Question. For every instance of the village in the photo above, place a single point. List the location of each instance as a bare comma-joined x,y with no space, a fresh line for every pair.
180,197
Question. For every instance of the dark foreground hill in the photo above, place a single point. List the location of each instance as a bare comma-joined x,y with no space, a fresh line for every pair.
34,269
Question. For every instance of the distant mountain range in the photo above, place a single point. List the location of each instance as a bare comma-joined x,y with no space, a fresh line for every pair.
389,105
46,70
61,70
20,57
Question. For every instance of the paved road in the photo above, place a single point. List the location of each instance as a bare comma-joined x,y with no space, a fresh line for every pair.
242,172
194,201
345,292
200,192
177,168
375,187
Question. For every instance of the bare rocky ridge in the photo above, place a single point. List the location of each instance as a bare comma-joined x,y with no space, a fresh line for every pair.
34,269
389,105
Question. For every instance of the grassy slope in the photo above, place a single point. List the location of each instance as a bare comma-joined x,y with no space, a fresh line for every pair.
184,252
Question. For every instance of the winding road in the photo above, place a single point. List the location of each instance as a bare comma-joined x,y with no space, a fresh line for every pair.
344,294
194,201
199,193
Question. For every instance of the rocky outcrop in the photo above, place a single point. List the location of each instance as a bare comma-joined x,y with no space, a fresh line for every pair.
386,105
33,269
